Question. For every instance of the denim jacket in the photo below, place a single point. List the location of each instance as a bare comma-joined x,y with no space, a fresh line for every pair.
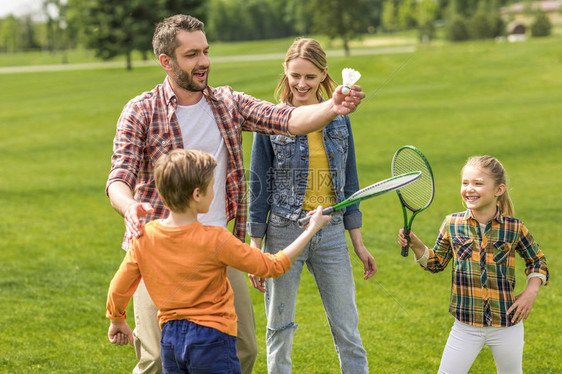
279,175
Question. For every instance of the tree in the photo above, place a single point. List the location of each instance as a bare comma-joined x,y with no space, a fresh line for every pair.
388,17
497,25
195,8
296,14
339,19
28,33
479,25
373,13
228,21
457,30
541,26
407,14
10,36
145,19
119,28
57,37
76,30
426,14
110,29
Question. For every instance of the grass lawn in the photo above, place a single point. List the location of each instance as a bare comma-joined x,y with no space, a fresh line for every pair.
60,238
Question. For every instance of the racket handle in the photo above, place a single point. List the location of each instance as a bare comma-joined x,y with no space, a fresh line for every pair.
303,221
404,252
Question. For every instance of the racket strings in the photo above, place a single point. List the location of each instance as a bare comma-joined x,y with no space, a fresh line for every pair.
386,185
419,194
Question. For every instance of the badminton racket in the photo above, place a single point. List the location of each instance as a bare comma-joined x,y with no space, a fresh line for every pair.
376,189
416,196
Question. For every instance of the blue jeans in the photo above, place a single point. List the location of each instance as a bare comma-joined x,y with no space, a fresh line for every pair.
191,348
327,259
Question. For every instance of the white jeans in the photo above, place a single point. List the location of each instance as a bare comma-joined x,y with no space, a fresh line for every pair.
465,343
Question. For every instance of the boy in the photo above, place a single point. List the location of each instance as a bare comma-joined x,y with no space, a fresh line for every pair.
184,263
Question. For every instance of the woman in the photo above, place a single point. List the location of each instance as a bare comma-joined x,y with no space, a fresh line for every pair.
290,176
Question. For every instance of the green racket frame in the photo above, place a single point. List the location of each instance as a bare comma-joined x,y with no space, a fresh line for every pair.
378,189
427,178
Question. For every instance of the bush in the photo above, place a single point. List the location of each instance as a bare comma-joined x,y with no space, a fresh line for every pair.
497,25
457,30
426,31
542,25
479,26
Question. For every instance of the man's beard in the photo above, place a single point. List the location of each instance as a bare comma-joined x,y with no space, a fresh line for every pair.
184,80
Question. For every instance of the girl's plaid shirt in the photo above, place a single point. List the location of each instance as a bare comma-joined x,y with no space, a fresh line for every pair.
148,128
483,279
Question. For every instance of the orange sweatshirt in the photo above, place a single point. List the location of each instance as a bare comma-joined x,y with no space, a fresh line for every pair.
184,270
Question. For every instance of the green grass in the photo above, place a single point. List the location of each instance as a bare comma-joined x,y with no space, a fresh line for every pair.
60,239
218,49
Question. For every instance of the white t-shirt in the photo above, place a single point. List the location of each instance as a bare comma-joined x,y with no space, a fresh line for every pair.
200,131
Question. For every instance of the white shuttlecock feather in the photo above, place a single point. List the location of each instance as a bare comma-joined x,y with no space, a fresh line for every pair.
349,76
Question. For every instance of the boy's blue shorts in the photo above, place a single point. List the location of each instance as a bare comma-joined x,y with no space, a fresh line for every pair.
191,348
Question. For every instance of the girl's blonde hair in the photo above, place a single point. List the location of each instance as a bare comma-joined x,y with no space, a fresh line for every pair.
310,50
497,172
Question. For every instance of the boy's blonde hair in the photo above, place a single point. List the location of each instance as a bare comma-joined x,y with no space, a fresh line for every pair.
178,173
310,50
497,172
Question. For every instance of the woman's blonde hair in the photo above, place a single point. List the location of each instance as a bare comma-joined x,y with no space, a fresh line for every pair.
310,50
178,173
497,172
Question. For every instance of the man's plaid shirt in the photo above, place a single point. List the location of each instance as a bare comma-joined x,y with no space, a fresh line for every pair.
483,279
148,128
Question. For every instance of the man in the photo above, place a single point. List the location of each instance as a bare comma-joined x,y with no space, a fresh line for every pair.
183,112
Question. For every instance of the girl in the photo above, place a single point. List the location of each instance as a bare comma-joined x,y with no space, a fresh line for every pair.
289,177
482,243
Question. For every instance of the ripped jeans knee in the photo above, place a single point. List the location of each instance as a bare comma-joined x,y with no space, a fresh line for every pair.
281,332
279,342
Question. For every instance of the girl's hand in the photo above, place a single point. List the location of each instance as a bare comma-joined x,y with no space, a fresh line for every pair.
415,243
524,301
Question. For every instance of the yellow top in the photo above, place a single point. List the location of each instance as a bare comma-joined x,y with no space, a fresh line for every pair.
319,187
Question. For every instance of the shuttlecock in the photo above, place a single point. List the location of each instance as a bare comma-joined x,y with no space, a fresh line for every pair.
350,76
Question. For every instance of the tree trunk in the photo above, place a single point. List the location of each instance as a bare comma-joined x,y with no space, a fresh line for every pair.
129,62
346,46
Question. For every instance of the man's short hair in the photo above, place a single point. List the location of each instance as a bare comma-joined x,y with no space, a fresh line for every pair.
178,173
164,39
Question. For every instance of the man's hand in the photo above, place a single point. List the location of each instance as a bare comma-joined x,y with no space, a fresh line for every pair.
346,104
122,200
257,282
132,214
120,333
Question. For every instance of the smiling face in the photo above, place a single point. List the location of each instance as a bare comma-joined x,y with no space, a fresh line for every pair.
304,81
189,68
479,191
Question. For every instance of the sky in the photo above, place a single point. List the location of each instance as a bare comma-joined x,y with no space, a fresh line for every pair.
19,7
